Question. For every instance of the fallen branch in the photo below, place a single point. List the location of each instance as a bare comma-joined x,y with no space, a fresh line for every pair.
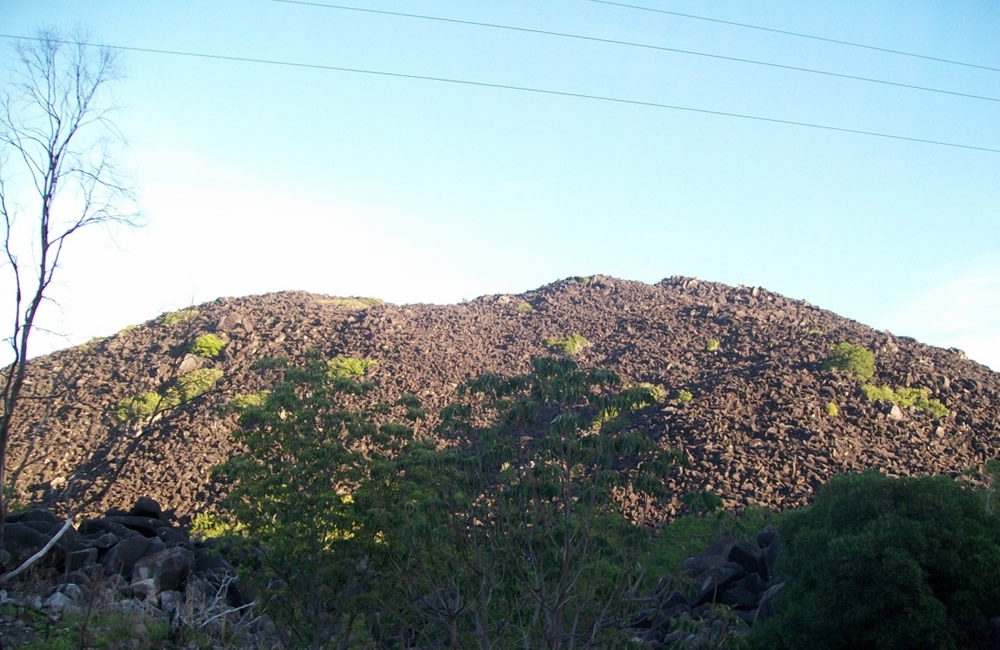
39,555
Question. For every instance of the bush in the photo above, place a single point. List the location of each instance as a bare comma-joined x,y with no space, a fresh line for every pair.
348,367
906,398
855,360
304,452
878,562
568,346
192,385
524,308
207,346
712,345
683,396
172,317
242,402
350,303
140,407
832,410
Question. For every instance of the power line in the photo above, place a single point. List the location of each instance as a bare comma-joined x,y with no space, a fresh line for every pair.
524,89
798,34
647,46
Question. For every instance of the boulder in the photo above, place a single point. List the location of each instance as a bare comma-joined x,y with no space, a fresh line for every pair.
122,557
146,507
168,569
22,541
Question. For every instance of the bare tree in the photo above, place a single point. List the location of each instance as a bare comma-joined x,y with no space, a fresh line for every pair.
57,177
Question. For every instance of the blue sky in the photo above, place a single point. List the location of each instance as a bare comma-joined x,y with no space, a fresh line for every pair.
256,178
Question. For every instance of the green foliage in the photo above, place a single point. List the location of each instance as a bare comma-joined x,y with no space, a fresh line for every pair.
683,396
242,402
184,389
351,303
524,308
854,360
174,317
292,493
140,407
832,410
269,363
712,345
814,331
568,346
523,511
906,397
207,346
702,502
127,329
207,526
348,367
192,385
877,562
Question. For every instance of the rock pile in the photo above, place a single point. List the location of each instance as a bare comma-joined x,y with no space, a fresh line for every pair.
148,563
757,428
738,574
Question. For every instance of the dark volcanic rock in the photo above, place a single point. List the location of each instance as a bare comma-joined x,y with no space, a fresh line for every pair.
756,430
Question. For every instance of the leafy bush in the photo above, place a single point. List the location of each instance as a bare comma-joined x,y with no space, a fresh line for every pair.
269,363
906,398
192,385
568,346
351,303
683,396
832,410
291,493
524,308
348,367
854,360
173,317
140,407
712,345
242,402
127,329
523,514
207,346
878,562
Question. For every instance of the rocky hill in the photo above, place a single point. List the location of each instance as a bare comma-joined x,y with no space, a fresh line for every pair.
756,430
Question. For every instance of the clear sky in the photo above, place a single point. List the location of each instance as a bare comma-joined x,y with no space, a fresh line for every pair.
256,178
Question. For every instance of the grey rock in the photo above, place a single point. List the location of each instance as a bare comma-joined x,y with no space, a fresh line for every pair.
168,568
122,557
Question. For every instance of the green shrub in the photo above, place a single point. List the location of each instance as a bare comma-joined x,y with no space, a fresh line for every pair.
712,345
524,308
568,346
172,317
127,329
348,367
350,303
207,525
933,408
683,396
242,401
878,562
906,398
878,393
208,346
191,385
269,363
855,360
832,410
140,407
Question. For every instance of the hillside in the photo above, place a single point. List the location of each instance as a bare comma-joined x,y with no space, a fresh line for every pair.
756,428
